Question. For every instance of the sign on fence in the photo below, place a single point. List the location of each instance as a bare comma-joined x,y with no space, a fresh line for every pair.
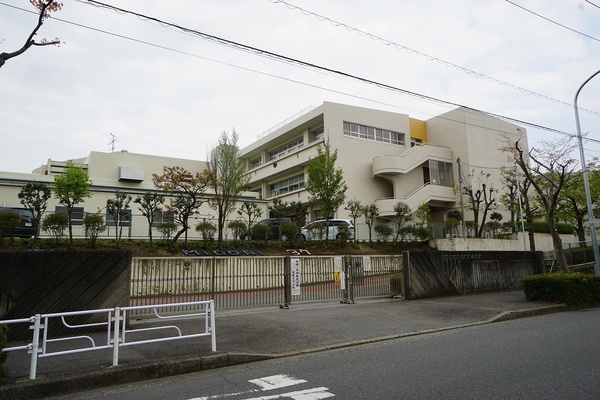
295,272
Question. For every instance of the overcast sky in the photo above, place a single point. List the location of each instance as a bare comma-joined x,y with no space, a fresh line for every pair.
165,92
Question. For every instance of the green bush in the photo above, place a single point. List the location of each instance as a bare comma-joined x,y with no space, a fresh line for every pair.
396,284
571,288
3,356
262,232
289,231
383,232
542,227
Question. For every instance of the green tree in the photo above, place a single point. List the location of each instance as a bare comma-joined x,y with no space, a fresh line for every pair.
278,209
207,229
34,196
423,213
227,178
117,209
94,225
403,215
187,192
300,212
71,188
355,211
370,213
325,182
237,227
45,7
383,232
9,220
250,212
572,206
150,204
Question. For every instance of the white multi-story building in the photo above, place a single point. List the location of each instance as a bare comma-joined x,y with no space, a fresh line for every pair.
386,158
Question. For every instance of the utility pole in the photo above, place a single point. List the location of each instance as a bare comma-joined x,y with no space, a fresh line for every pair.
462,205
112,142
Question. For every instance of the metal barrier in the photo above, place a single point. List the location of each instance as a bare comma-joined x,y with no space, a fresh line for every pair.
252,281
113,321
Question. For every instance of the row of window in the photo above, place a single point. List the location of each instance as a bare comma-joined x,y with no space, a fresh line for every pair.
375,134
287,185
78,214
287,148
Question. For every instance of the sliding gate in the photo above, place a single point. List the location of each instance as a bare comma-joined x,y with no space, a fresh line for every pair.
257,281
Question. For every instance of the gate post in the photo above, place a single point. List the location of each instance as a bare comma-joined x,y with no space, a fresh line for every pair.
348,291
287,283
406,284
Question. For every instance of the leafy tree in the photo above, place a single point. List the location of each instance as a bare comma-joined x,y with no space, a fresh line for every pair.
227,177
290,230
548,169
45,7
94,225
325,182
300,212
117,209
355,211
55,225
187,192
370,213
34,196
403,215
250,212
423,213
166,230
150,204
572,206
71,188
278,209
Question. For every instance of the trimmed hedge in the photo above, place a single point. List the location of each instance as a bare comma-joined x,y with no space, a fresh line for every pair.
572,289
542,227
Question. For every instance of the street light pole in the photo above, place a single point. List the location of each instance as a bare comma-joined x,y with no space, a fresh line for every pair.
586,183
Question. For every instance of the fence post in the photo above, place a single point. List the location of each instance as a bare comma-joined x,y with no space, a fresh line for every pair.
116,335
35,346
213,334
287,282
348,291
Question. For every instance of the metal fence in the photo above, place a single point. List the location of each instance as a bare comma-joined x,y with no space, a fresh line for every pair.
251,281
91,330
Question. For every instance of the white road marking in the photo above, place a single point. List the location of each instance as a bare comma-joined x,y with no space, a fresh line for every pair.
308,394
276,382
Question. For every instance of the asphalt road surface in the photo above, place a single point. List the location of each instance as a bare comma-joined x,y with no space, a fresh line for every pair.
555,356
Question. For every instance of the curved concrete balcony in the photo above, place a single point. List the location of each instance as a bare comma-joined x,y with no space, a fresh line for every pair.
409,160
424,194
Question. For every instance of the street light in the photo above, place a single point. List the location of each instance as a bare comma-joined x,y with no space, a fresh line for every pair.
586,183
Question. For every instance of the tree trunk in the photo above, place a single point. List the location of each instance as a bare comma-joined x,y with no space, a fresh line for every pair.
559,254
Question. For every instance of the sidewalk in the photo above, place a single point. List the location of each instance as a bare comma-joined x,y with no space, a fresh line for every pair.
256,334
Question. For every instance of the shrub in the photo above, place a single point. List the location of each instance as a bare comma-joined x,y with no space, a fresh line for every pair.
289,231
238,227
55,225
9,220
262,232
571,288
383,232
207,229
344,233
542,227
94,225
167,229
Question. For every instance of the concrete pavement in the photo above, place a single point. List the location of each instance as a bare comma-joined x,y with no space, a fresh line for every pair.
248,335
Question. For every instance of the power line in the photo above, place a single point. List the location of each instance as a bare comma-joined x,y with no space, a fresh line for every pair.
554,22
294,61
409,50
312,66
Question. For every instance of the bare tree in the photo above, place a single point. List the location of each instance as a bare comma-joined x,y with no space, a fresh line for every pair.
481,199
548,169
45,8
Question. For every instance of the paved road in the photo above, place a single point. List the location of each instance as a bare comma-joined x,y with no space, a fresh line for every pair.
544,357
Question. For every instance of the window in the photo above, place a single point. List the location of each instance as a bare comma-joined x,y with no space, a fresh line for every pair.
375,134
415,142
318,133
287,185
287,148
125,218
440,173
256,162
76,214
162,216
